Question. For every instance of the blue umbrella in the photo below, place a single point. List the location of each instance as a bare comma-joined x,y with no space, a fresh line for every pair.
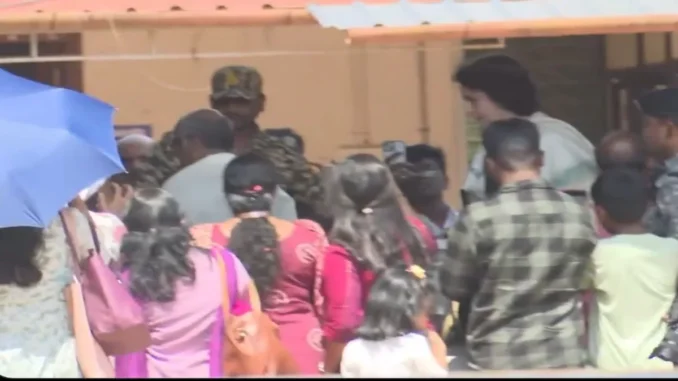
53,143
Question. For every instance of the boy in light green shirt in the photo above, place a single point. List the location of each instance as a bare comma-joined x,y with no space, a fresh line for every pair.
633,274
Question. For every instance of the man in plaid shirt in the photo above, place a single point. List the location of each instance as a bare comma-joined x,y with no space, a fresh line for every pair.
520,256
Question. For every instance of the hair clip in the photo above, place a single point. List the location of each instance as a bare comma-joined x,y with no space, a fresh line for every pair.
257,188
152,230
417,271
367,211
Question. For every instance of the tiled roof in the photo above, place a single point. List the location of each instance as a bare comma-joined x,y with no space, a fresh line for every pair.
376,20
53,6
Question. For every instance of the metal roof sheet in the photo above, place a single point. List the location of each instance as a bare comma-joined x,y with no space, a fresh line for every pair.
407,13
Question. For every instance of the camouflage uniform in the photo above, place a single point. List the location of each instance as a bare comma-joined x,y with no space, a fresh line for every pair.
662,219
238,82
299,177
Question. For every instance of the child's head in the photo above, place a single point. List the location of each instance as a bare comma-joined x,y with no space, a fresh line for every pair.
621,197
398,304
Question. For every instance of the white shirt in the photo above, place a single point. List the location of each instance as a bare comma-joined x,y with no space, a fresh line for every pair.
569,158
404,356
198,189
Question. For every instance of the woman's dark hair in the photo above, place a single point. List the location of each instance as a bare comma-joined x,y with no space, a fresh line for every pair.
395,299
20,246
368,219
249,184
155,249
502,79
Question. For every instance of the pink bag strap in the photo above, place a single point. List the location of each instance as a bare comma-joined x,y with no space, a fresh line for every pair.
73,242
68,224
221,253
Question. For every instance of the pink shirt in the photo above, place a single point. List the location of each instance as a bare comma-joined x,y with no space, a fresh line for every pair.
182,331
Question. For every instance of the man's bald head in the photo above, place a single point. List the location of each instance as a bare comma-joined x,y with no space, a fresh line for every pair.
621,149
132,147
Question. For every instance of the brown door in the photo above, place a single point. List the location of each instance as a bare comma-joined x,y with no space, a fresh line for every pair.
629,85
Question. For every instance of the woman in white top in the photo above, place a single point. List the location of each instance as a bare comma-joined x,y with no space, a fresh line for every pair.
498,87
394,339
36,339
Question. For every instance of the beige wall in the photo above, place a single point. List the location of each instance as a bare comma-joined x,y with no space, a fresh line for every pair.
344,97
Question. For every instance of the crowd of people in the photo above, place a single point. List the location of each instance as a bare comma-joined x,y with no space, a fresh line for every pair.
245,258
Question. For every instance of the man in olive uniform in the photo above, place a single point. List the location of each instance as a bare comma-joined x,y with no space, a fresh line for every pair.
660,131
237,92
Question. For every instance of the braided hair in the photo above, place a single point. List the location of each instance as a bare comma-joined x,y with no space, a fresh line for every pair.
249,185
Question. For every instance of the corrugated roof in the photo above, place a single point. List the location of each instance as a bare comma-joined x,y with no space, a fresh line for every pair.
404,13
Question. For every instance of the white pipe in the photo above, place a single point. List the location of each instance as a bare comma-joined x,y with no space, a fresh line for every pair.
188,55
153,57
33,45
500,44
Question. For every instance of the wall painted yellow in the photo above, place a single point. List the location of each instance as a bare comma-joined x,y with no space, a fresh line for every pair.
337,97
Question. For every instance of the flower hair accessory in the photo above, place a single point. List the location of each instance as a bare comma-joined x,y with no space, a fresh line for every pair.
367,211
417,271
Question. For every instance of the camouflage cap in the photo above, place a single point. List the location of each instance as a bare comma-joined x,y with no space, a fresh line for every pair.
236,82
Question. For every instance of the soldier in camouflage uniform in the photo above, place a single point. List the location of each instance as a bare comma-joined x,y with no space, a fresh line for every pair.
237,93
660,131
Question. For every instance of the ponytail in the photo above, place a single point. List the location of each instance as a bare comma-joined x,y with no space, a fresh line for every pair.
156,260
254,241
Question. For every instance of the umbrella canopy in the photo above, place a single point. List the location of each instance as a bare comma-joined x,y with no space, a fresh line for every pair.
53,143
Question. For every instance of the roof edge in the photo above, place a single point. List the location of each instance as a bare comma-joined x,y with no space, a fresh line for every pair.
520,28
60,22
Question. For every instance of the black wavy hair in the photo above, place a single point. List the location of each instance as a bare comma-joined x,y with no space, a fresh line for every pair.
19,249
368,219
623,193
155,249
250,182
504,80
423,175
395,299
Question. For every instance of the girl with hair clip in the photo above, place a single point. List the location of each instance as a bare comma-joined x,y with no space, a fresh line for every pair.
393,339
370,234
283,258
175,282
